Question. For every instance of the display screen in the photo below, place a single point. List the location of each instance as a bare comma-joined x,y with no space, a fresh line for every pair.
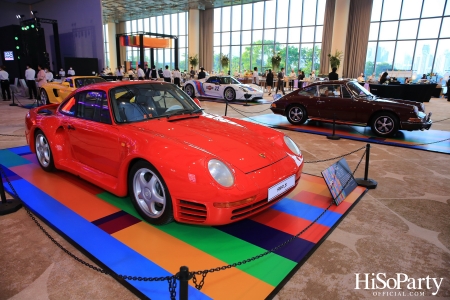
9,55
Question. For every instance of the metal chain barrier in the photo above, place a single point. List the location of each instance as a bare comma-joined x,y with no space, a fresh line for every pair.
15,135
249,112
172,280
441,120
340,156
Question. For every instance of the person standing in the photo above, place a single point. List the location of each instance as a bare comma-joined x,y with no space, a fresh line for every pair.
167,75
140,73
201,74
48,75
146,72
154,73
41,79
177,77
280,82
4,81
192,73
30,73
269,82
119,73
62,73
71,72
255,76
333,75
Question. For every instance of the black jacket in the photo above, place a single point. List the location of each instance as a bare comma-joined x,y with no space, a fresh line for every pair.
333,76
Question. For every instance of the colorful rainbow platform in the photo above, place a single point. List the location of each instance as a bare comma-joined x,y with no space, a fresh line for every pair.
109,230
422,140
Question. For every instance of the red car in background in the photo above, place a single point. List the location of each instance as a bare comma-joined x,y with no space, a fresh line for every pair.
151,141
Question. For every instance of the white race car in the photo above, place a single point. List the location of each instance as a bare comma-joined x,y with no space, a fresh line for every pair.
223,87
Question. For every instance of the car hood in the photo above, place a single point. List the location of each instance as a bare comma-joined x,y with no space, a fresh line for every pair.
398,101
219,137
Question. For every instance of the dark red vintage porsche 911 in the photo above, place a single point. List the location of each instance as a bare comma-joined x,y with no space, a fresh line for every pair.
350,103
151,141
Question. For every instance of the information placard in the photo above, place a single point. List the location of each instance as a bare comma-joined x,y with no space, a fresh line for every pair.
340,180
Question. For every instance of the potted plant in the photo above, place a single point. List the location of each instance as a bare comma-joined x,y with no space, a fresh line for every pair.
335,60
193,60
224,61
276,61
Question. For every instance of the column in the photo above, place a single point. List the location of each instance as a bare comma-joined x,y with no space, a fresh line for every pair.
340,29
194,32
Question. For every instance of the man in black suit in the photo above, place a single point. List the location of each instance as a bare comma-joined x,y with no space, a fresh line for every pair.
146,72
333,75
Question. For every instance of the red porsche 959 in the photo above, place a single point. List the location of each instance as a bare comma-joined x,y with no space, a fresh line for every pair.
151,141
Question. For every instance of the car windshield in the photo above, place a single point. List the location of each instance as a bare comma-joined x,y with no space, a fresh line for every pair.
141,102
358,90
80,82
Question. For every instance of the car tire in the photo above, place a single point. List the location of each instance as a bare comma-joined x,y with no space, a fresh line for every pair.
229,94
384,124
43,151
149,194
296,114
44,97
190,90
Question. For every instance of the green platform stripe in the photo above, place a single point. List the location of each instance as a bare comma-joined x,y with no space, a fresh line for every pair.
271,269
10,159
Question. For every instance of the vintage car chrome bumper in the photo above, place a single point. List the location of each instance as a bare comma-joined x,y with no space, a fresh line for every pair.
418,123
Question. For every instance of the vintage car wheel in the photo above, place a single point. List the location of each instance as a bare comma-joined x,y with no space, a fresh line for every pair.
229,94
384,124
43,151
149,194
296,114
44,97
189,89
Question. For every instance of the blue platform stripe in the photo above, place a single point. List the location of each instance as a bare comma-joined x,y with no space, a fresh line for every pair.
20,150
268,238
307,212
111,252
10,159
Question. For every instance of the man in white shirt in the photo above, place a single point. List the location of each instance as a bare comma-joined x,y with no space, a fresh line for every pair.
177,77
71,72
255,76
167,75
62,73
140,73
119,73
30,74
48,75
4,81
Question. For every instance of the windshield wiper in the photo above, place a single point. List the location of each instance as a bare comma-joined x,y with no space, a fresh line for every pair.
197,110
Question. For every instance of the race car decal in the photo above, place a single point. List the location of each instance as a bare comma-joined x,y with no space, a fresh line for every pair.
250,88
199,87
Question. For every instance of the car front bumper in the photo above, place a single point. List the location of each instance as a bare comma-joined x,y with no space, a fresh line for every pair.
417,123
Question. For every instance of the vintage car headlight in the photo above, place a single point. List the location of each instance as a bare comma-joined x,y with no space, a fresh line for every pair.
243,88
291,145
221,173
416,110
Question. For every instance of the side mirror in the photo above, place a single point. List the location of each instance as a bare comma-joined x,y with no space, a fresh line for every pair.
65,83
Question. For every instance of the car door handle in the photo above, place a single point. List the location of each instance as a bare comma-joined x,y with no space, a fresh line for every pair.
320,101
70,127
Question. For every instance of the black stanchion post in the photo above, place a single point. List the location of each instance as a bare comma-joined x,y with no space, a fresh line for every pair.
246,95
13,103
10,205
333,136
367,182
226,107
184,278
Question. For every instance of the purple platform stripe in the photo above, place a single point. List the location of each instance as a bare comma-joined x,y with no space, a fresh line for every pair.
108,218
119,223
10,174
267,238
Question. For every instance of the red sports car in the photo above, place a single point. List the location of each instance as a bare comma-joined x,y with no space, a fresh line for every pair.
152,142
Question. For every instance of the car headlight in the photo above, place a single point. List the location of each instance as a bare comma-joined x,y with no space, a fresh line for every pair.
291,145
416,110
244,89
221,173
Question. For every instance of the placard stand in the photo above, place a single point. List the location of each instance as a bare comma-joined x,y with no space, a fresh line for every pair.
339,180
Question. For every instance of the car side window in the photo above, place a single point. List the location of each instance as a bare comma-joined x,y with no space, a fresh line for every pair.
93,106
69,80
330,90
345,92
309,91
69,107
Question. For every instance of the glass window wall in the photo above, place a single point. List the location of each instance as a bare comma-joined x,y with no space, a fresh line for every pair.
410,35
291,27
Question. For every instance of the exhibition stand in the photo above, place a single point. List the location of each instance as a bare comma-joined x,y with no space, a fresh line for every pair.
414,92
97,221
